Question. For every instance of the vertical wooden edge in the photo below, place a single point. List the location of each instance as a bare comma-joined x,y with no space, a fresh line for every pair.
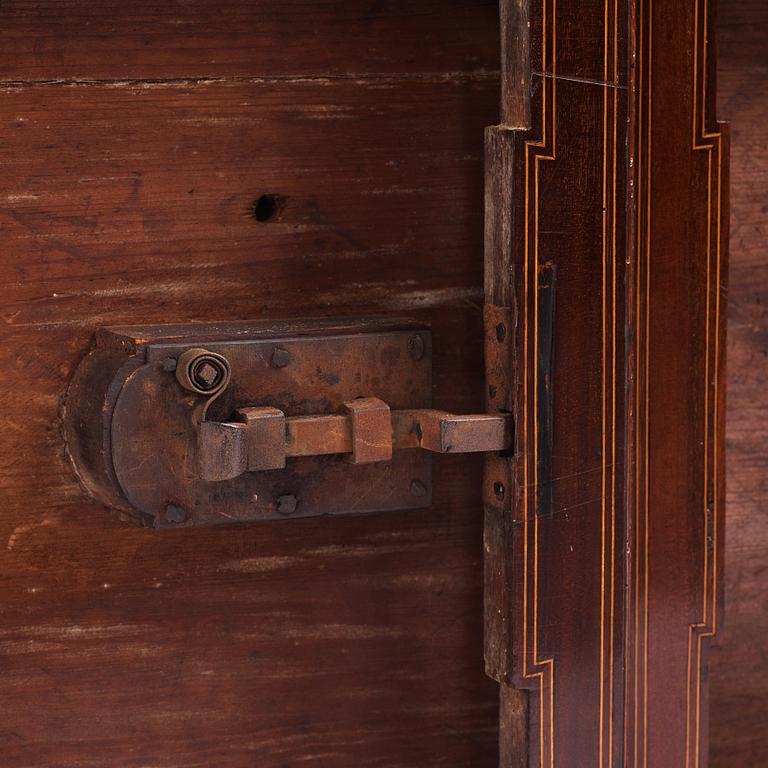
713,126
515,63
504,185
499,181
513,731
720,403
498,497
721,372
496,577
499,485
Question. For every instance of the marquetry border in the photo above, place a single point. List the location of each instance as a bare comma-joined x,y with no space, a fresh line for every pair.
612,325
542,669
514,254
710,142
543,149
637,642
636,732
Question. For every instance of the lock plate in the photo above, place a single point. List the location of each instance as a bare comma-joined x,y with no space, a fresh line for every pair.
132,428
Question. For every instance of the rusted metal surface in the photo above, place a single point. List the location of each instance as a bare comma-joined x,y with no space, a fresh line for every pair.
367,434
443,432
264,437
139,439
318,435
222,450
201,371
371,430
225,431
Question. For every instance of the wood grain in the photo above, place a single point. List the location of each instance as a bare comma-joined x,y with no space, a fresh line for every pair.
610,537
135,140
327,642
198,39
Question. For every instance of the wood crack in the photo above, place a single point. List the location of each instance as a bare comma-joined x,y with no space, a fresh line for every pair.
478,75
575,79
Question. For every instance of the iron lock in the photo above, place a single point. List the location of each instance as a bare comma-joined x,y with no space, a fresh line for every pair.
204,424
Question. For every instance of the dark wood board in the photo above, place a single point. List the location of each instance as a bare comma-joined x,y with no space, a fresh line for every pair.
200,39
354,642
739,682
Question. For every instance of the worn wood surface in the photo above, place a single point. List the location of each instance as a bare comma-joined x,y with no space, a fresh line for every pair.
739,680
135,139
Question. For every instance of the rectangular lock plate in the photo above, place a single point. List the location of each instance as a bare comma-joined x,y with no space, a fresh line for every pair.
132,428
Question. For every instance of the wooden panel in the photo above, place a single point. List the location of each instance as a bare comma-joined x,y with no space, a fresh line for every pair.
739,683
677,590
557,255
116,40
606,240
341,642
157,182
131,202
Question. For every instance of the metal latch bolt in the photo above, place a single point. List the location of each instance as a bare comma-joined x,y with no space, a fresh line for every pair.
262,438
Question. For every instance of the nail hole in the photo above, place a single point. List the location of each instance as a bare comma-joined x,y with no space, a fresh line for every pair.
491,391
498,490
501,332
267,207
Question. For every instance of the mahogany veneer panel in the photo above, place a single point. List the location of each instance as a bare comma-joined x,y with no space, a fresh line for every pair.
607,241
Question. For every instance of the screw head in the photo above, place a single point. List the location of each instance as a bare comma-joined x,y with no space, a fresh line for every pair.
418,488
286,504
416,346
206,375
169,364
280,358
202,372
174,514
